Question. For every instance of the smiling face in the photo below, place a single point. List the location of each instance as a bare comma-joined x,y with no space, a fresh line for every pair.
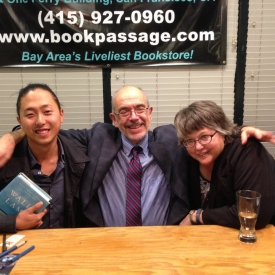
134,127
40,117
208,153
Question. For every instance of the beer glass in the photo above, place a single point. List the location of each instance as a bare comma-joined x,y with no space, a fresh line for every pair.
248,203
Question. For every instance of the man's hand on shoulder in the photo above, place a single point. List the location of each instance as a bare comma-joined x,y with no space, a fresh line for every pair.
264,136
7,145
27,219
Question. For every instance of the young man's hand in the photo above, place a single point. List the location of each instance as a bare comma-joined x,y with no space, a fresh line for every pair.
27,219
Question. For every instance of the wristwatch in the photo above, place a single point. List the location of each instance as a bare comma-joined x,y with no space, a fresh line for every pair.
190,216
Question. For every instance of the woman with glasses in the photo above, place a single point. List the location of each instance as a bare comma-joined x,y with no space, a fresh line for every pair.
219,166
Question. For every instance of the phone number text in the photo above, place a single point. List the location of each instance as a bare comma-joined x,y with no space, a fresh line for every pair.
108,17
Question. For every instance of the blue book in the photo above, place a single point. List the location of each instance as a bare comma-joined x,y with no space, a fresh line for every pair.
20,194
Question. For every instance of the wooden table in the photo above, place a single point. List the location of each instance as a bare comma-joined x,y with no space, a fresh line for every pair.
146,250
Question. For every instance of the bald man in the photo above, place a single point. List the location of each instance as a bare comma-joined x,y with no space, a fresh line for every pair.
164,199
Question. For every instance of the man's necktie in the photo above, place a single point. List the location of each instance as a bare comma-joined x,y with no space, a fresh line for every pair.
133,190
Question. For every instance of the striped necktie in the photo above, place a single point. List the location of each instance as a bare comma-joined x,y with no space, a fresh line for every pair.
133,189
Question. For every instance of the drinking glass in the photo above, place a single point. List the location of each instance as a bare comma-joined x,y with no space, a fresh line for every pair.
248,203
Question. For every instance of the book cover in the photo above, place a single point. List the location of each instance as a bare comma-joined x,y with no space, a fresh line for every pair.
20,194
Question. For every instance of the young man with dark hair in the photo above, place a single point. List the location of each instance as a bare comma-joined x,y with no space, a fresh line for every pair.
52,161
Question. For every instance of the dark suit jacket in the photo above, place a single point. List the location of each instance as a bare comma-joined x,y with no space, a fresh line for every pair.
104,142
238,167
75,161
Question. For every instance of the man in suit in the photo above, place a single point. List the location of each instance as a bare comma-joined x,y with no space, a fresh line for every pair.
163,189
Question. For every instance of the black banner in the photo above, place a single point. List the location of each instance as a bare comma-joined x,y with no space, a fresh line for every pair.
112,33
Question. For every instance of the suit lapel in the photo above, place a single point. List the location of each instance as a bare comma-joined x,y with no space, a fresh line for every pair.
161,155
107,151
20,161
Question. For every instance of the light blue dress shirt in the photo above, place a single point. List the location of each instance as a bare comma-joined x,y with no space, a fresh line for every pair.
155,190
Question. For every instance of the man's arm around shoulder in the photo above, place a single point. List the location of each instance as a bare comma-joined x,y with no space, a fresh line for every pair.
7,145
83,136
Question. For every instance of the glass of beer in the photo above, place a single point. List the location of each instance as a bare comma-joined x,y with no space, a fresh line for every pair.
248,203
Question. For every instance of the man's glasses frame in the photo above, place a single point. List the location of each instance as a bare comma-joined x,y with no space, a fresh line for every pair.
127,113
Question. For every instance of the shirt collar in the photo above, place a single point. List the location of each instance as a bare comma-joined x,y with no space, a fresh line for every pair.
33,161
127,145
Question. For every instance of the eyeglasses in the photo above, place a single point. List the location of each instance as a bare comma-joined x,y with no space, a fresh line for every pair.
206,139
127,113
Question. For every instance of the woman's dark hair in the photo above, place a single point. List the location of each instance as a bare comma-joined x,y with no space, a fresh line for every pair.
32,87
